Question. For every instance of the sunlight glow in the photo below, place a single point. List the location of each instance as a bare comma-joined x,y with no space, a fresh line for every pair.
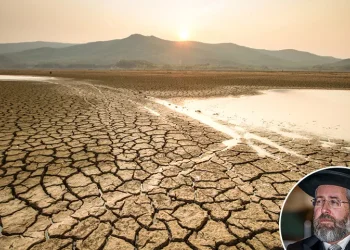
184,35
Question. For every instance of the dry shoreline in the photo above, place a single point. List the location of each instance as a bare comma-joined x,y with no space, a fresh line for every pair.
173,84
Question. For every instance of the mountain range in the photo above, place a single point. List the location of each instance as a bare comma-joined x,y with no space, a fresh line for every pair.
138,51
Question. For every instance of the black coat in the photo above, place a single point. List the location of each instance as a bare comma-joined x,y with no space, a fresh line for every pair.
311,243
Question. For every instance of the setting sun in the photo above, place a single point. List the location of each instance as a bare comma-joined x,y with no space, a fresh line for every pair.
184,35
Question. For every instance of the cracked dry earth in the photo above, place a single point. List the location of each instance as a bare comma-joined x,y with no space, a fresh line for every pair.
84,166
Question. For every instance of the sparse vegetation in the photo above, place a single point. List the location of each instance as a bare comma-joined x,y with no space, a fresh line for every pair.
135,64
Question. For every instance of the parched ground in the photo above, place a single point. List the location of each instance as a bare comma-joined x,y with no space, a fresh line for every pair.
91,165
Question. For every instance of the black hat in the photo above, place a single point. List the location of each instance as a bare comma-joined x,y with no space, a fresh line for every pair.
331,176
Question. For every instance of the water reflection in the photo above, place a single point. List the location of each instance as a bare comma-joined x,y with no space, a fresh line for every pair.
25,78
321,112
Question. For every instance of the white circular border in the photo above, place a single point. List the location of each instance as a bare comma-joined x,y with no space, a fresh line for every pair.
284,202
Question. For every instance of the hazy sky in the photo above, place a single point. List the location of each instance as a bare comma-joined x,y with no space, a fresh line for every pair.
317,26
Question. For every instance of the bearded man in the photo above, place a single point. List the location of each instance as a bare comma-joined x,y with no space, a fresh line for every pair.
331,191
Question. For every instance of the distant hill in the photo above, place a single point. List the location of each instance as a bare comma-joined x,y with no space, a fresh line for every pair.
156,51
300,57
17,47
343,65
6,62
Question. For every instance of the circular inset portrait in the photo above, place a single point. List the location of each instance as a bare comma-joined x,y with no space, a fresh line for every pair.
316,212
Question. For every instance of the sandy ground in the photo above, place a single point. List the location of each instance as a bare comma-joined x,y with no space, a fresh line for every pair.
98,164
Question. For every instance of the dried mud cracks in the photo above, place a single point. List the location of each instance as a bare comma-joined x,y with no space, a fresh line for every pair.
87,167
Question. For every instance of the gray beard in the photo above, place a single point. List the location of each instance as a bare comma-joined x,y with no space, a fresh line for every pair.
325,233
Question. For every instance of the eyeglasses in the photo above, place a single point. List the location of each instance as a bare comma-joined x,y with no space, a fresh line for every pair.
333,203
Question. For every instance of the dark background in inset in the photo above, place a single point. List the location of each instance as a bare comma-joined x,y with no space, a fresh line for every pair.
296,217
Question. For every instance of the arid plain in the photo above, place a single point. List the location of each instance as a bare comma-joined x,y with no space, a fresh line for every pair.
88,160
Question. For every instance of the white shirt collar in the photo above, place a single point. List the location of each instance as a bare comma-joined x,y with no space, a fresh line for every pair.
341,243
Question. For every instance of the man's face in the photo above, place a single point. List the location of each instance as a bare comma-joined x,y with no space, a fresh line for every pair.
331,224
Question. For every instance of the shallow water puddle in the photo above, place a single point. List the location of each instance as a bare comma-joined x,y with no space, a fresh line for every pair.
235,132
320,112
314,112
25,78
204,119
